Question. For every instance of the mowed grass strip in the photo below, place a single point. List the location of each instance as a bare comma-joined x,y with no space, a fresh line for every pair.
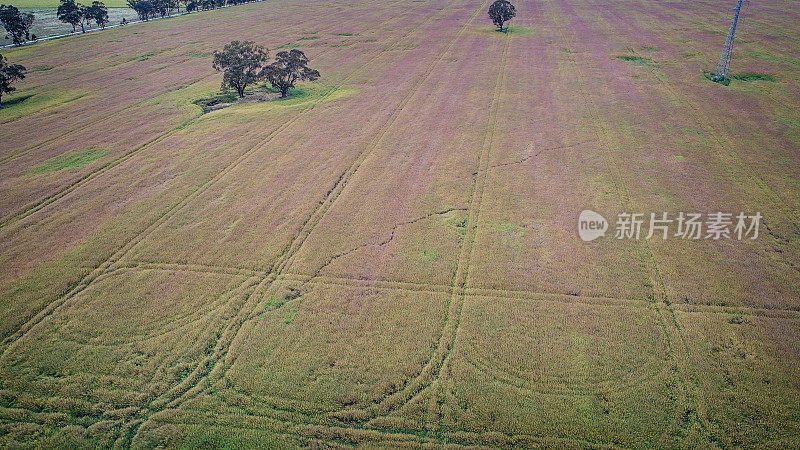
69,160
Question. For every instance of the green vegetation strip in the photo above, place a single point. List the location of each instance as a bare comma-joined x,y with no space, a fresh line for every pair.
70,160
638,60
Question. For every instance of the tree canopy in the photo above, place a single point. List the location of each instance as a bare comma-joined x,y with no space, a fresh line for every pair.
71,13
9,73
17,25
240,62
98,12
144,8
501,12
288,68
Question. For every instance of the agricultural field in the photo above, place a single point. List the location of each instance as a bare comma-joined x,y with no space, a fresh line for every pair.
390,257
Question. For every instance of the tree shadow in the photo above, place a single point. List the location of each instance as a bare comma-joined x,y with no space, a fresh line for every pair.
15,101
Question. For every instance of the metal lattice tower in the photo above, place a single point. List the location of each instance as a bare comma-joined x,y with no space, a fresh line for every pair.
725,61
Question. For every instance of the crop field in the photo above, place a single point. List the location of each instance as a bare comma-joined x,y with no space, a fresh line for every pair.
390,257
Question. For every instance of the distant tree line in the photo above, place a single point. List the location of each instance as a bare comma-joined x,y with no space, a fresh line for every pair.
18,24
151,9
76,14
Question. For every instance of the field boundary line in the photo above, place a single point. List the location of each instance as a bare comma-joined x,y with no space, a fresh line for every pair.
434,288
132,22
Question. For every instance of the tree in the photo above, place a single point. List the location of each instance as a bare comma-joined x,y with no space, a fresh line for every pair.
144,9
17,25
70,12
164,7
501,12
288,68
9,73
98,12
240,63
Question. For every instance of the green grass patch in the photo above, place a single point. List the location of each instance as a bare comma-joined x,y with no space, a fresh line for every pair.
514,30
680,158
510,228
429,255
25,104
345,34
16,100
200,55
753,77
309,38
457,223
223,97
303,94
146,56
69,160
637,60
297,96
41,69
518,30
746,77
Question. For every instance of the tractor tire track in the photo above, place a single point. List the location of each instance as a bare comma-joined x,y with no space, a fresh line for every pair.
231,331
658,294
285,259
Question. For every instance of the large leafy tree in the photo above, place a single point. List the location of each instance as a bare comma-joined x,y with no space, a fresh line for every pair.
98,12
501,12
240,62
17,25
144,8
164,7
288,68
72,13
9,73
